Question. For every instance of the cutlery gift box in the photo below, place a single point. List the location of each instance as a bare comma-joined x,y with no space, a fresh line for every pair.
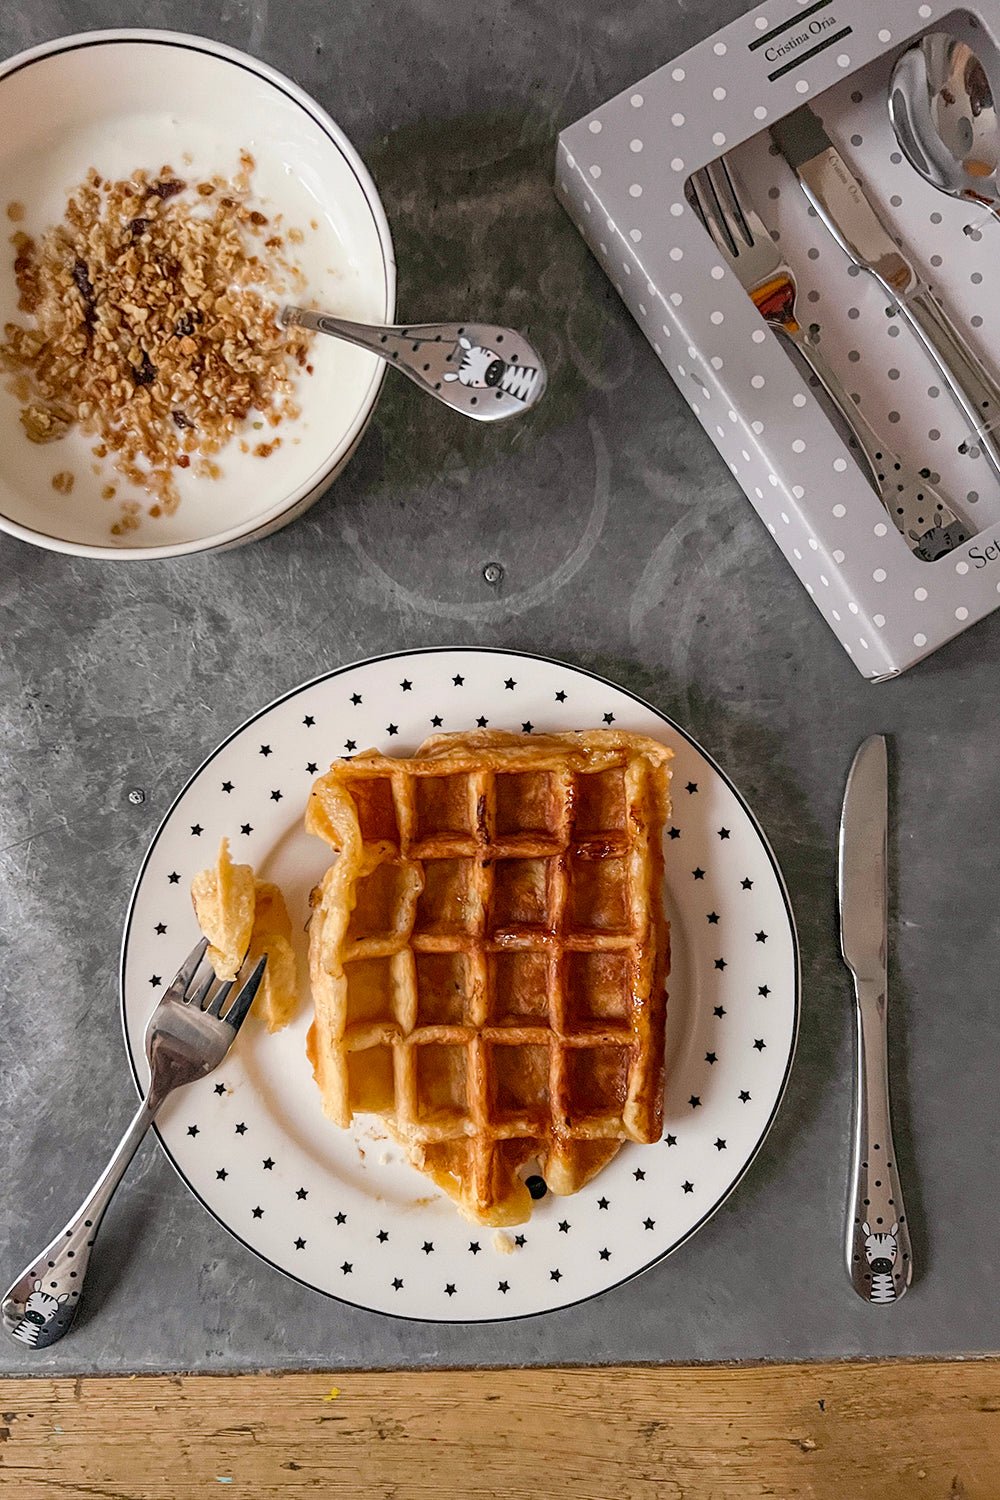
621,174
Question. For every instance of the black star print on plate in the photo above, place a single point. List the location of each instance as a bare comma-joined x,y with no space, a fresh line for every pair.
691,788
723,833
197,830
609,718
673,833
309,721
720,1144
510,684
382,1236
761,937
713,917
744,1097
193,1130
391,729
639,1175
759,1044
458,680
427,1247
355,699
719,1011
649,1223
762,989
605,1254
720,963
520,1241
300,1243
311,768
527,727
302,1193
268,1164
555,1275
695,1101
350,745
406,685
563,1226
155,980
397,1284
220,1088
276,796
698,874
246,828
482,721
671,1140
265,750
602,1203
340,1218
710,1057
449,1289
347,1268
747,883
437,721
174,878
227,786
241,1128
503,1286
474,1247
160,928
560,697
688,1187
258,1212
222,1174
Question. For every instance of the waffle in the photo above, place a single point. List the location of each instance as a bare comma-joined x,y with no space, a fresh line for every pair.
488,955
244,918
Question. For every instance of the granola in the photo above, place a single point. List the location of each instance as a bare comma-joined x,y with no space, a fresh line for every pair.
151,324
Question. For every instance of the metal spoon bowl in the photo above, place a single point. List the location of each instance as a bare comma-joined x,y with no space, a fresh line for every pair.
485,372
943,112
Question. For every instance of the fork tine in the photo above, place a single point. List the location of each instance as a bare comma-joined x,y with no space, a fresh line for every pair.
723,185
178,985
215,1009
240,1008
706,206
199,995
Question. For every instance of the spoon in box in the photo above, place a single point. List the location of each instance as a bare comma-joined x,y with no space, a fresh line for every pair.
486,373
942,110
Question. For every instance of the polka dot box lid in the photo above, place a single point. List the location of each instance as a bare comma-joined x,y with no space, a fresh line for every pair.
621,174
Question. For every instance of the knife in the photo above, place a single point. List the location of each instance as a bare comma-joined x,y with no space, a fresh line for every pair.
841,203
879,1261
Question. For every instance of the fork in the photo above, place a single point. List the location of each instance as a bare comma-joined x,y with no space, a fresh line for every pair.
721,201
187,1037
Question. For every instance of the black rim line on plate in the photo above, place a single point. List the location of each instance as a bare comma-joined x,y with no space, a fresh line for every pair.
643,703
136,36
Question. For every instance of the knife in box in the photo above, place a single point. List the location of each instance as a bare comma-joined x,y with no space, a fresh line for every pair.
879,1261
841,203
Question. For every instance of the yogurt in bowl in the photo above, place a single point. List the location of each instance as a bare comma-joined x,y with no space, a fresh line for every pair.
118,101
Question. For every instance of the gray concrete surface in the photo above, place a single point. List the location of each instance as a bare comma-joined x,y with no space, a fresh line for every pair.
114,676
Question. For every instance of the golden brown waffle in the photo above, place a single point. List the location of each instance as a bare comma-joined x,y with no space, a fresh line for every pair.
489,954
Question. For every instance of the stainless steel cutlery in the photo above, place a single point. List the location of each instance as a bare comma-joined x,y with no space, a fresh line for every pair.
930,527
188,1036
841,203
879,1258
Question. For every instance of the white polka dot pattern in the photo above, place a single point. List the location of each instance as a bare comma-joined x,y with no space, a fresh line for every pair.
752,400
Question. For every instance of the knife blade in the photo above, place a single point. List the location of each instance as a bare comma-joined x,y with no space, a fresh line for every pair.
845,209
878,1252
864,834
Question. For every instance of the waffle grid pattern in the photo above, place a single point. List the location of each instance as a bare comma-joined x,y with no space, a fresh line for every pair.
489,955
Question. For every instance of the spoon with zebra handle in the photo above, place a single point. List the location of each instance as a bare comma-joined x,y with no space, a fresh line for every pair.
485,372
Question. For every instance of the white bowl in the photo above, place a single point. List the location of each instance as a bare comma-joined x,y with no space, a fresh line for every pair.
118,100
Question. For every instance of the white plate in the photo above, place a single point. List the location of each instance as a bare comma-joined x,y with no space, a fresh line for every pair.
341,1210
117,100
